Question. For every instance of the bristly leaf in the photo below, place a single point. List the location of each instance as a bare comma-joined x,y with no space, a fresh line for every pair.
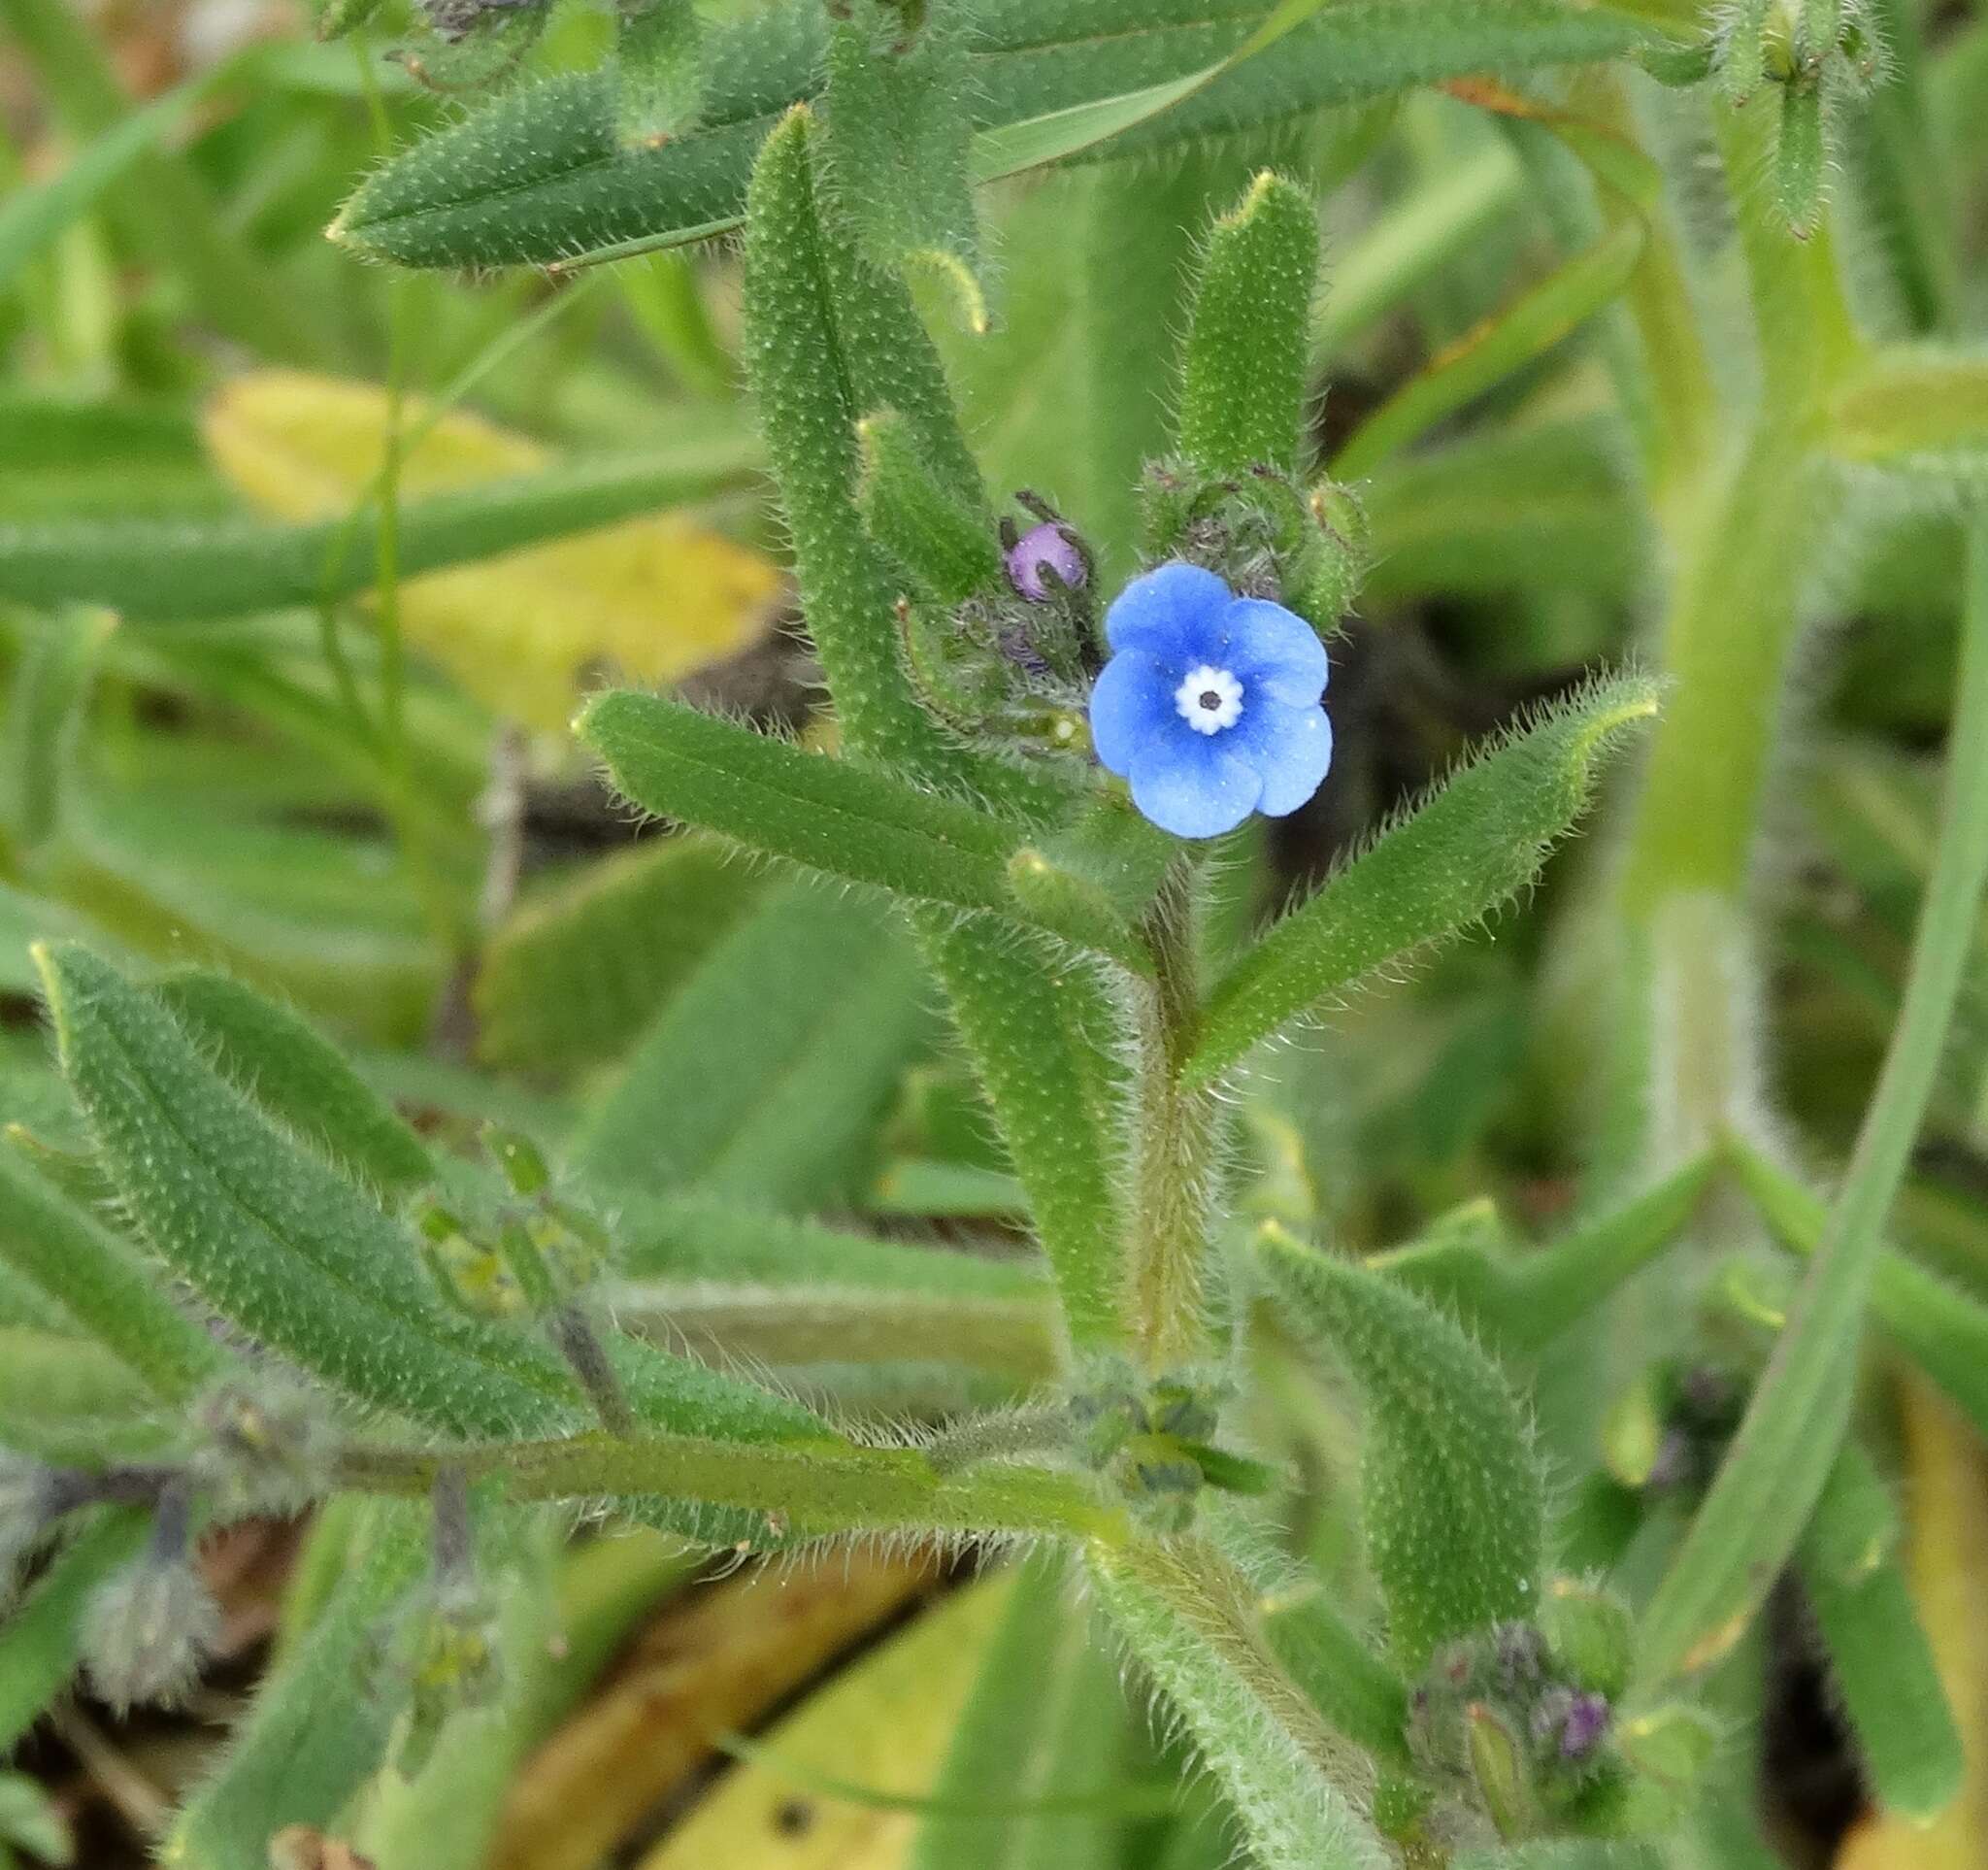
96,1278
274,1240
539,177
828,339
1476,842
299,1078
834,815
898,134
947,546
847,821
1454,1500
1249,344
1188,1617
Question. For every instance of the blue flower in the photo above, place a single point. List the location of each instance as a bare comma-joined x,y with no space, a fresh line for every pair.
1209,705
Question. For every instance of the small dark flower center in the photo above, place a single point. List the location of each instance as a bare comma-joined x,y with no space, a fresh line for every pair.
1210,700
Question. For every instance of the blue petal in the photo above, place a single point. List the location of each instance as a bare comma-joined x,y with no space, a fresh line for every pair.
1290,747
1274,650
1172,611
1195,786
1131,706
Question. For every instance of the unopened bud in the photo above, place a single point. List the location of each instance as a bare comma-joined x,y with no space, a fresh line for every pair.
1498,1764
1591,1633
1570,1724
1044,560
151,1625
270,1445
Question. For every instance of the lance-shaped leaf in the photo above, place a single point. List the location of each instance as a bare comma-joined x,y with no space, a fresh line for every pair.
1479,841
1453,1498
299,1078
274,1239
1248,341
851,822
766,1076
830,339
1187,1618
898,133
847,821
1879,1660
541,175
96,1280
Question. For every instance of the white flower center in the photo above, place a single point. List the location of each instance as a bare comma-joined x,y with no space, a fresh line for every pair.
1209,699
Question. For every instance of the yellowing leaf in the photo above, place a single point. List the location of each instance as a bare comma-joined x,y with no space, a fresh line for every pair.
526,633
883,1723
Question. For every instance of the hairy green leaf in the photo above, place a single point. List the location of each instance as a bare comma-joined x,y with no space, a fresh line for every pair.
898,132
539,177
1249,338
1476,842
1188,1617
67,1254
299,1078
1454,1499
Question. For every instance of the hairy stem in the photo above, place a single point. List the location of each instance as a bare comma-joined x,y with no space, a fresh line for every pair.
806,1489
1174,1145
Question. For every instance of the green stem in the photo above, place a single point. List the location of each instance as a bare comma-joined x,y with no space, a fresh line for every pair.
813,1490
1174,1142
1778,1462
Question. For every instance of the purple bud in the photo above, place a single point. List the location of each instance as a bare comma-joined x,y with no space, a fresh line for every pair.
1046,549
1575,1721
